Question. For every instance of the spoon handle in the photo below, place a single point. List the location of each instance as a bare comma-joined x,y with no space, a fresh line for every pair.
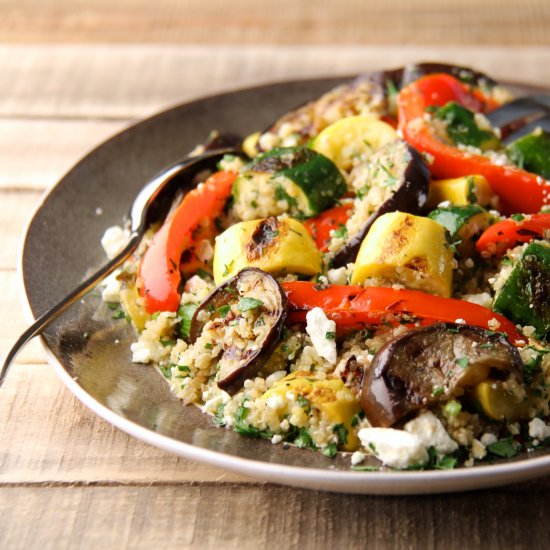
51,314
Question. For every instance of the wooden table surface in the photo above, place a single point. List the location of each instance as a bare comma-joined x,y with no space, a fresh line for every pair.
74,73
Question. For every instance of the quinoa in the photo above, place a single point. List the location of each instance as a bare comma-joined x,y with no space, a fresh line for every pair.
310,390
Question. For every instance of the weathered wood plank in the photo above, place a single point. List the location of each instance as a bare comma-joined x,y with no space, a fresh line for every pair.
283,22
35,153
54,438
237,516
17,208
132,81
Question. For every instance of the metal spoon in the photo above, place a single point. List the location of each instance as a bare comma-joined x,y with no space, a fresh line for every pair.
151,204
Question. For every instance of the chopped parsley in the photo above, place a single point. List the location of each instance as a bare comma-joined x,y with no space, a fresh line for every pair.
118,314
330,335
227,268
224,310
330,450
304,440
505,448
463,362
166,371
341,232
282,195
246,304
341,433
301,401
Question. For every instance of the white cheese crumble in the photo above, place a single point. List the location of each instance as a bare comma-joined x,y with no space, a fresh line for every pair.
538,429
395,448
114,240
141,352
481,299
488,439
111,288
322,331
275,377
429,429
357,457
338,276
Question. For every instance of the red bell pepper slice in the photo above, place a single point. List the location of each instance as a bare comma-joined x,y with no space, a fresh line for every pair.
506,234
521,191
321,226
159,274
355,307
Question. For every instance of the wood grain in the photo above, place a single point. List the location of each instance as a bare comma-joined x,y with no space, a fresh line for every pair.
265,516
283,22
53,438
51,148
123,82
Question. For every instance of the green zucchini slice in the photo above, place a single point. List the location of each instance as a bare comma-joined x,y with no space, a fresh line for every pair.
532,152
293,180
525,296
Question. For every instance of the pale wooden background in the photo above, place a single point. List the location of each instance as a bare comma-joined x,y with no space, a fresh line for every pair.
74,72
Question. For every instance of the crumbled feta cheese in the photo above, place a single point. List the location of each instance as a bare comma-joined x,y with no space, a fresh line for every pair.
460,321
111,288
357,457
488,439
275,402
395,448
493,324
338,276
538,429
429,429
277,438
275,377
322,330
211,406
114,240
528,331
140,352
482,299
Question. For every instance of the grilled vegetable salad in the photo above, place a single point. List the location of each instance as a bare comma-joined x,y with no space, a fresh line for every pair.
375,279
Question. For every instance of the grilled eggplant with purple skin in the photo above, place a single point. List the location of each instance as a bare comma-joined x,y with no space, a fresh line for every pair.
431,365
370,93
400,166
248,313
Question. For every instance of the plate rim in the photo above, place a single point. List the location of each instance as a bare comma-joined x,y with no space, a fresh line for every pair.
383,482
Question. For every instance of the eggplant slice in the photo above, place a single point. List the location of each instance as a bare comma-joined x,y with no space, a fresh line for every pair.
401,166
430,365
368,93
248,314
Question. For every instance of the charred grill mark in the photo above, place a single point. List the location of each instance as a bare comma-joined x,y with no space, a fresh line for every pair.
418,264
528,232
264,236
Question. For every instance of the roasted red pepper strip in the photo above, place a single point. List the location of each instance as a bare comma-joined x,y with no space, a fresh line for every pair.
506,234
159,274
320,227
354,306
521,191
